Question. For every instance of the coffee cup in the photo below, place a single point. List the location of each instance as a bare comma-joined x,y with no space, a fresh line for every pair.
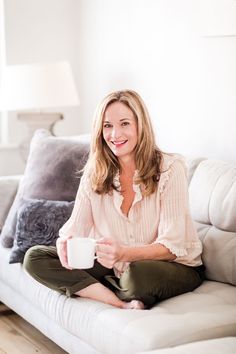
81,252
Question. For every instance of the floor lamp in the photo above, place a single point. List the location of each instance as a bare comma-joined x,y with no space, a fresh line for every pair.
30,89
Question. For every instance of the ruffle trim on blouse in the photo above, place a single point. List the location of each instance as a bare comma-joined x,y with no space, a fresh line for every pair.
196,244
137,190
168,161
118,197
178,252
136,187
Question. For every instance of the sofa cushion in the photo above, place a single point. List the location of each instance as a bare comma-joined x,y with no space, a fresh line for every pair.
226,345
192,163
212,193
8,190
38,223
219,253
51,173
207,312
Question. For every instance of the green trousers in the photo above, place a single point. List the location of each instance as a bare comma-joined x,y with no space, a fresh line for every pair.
150,281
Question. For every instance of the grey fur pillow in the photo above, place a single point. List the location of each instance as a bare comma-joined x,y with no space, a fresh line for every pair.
38,223
50,173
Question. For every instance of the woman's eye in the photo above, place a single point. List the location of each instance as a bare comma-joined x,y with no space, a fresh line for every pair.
125,123
107,125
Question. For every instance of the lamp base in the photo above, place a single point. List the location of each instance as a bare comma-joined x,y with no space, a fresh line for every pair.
36,121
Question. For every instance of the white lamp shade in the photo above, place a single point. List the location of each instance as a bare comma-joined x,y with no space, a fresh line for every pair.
37,86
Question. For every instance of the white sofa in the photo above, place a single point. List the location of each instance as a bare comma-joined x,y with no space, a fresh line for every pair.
202,316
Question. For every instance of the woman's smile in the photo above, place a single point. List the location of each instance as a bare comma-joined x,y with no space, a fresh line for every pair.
119,143
120,130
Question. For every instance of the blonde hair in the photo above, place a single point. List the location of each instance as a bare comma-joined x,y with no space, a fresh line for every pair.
103,165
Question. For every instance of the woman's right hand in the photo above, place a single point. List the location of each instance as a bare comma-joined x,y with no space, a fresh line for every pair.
61,245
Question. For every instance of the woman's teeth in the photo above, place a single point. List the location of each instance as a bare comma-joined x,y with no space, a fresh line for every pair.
119,143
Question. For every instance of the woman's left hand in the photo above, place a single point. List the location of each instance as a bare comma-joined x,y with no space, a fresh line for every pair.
109,252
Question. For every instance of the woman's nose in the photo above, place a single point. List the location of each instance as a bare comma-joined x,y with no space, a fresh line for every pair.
116,133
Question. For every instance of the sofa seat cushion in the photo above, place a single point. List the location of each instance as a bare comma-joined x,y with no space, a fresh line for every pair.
207,312
217,346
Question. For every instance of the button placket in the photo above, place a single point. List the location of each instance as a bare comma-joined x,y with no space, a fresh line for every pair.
130,229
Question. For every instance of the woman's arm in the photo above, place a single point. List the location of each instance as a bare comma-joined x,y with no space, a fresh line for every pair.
79,223
109,252
154,251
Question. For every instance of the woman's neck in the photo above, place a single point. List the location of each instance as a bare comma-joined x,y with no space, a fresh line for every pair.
127,167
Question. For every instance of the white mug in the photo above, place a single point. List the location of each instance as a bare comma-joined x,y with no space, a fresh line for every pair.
81,252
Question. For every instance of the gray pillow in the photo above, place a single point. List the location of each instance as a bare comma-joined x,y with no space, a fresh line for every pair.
38,223
50,173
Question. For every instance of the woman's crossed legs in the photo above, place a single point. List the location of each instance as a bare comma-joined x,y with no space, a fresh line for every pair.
143,284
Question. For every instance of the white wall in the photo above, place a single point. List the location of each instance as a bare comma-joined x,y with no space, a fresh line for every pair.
179,55
41,31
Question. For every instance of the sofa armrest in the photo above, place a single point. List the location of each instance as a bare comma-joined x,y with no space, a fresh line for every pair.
8,189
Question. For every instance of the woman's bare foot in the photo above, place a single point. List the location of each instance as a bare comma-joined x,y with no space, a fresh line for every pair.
134,305
99,292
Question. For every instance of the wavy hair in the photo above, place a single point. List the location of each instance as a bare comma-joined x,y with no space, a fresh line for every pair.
103,165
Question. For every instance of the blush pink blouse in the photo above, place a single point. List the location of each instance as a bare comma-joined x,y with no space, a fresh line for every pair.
163,217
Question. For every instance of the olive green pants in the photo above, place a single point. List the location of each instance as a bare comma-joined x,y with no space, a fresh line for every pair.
149,281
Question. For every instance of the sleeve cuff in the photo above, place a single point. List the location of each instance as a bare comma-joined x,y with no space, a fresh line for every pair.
178,252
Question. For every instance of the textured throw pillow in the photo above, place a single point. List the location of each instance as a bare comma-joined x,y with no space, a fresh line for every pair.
51,174
38,223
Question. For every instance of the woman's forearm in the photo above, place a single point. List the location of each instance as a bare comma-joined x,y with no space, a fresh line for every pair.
155,251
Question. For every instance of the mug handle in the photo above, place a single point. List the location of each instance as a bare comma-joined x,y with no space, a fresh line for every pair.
95,241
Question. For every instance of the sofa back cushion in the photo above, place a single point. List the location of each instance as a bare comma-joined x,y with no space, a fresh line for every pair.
8,190
51,173
212,193
192,163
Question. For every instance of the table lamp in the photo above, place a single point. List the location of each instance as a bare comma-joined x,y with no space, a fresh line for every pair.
29,89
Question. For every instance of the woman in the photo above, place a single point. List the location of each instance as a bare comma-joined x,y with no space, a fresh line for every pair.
134,200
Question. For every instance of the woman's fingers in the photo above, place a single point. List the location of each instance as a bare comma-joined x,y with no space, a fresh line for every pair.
108,251
61,245
105,241
104,248
105,255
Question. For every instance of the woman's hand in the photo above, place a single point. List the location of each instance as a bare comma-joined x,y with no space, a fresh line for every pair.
61,245
109,252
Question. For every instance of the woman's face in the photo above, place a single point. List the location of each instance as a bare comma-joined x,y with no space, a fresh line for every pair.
120,130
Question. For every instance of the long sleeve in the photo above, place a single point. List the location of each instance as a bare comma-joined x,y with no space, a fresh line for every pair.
176,230
80,222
